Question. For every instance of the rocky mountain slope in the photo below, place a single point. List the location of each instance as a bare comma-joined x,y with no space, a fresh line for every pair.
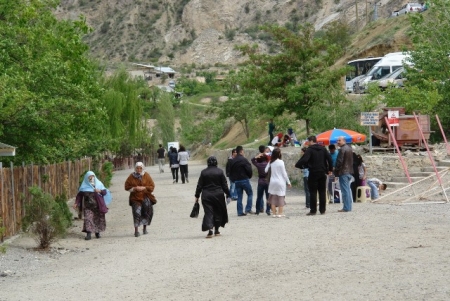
203,32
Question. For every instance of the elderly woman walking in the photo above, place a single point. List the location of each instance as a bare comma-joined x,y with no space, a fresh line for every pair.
212,185
277,183
90,198
141,185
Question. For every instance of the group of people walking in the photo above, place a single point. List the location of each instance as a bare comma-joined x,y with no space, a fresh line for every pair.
178,160
213,189
319,165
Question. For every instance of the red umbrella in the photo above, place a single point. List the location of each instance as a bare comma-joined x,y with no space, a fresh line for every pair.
331,136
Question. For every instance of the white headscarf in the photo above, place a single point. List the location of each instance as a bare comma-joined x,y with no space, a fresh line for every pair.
140,164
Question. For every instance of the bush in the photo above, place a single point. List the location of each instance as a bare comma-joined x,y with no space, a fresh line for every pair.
230,33
2,231
46,218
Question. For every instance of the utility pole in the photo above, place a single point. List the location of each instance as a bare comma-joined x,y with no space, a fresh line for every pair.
375,11
356,15
367,13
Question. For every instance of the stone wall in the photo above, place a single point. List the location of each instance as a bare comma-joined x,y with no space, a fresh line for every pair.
381,165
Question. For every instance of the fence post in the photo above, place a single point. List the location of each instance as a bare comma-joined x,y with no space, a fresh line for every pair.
13,196
2,210
69,191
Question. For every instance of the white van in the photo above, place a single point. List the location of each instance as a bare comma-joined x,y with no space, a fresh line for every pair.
389,63
410,8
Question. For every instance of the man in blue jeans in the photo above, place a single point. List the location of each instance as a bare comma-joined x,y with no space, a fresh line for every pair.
241,173
344,170
233,193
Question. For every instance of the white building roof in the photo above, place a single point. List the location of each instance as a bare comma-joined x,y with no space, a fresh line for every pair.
144,65
7,150
165,69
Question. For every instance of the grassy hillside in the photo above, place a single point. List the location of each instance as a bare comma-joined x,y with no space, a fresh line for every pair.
376,39
379,38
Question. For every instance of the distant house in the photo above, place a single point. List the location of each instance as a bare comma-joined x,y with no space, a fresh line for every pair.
159,71
144,71
150,72
7,150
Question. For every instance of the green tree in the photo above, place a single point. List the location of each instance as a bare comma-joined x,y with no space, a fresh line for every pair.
49,103
166,118
123,103
186,123
298,77
430,74
241,107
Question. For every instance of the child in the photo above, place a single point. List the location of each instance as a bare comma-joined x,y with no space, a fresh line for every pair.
362,172
375,185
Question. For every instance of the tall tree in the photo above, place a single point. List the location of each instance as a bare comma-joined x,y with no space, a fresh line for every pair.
186,121
123,103
431,57
298,76
49,105
427,89
166,118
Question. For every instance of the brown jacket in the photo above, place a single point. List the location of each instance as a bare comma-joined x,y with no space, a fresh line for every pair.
138,196
344,161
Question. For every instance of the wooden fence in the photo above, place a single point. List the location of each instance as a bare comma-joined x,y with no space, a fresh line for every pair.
55,179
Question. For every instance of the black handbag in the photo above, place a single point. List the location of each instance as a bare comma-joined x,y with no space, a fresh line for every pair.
195,210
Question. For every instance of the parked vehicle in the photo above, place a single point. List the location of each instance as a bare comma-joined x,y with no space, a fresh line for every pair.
395,78
360,68
172,84
389,63
410,8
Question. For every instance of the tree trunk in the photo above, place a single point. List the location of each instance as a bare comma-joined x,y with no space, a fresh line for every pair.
307,127
245,127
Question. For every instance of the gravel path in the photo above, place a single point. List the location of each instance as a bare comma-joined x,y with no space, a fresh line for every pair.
376,252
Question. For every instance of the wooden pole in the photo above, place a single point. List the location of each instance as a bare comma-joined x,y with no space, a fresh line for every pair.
13,197
2,207
367,13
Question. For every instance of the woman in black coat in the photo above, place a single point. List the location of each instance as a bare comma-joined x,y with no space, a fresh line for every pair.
212,185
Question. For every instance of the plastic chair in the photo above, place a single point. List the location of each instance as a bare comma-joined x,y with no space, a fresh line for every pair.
361,194
337,196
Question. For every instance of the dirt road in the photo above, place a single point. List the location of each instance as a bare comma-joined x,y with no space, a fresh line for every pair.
376,252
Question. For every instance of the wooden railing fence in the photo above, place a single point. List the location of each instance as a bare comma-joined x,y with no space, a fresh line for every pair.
55,179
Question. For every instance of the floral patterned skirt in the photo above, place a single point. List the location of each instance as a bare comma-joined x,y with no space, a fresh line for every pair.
94,221
142,213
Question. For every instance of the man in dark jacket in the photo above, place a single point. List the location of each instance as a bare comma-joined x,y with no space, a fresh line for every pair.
344,170
241,173
318,160
227,170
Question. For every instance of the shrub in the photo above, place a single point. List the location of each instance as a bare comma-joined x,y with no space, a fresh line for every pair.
2,231
46,218
230,33
105,27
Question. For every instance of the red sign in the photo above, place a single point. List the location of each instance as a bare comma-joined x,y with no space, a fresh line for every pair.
393,118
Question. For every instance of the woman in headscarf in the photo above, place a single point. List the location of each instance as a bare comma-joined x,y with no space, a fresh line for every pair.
212,185
90,198
141,185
